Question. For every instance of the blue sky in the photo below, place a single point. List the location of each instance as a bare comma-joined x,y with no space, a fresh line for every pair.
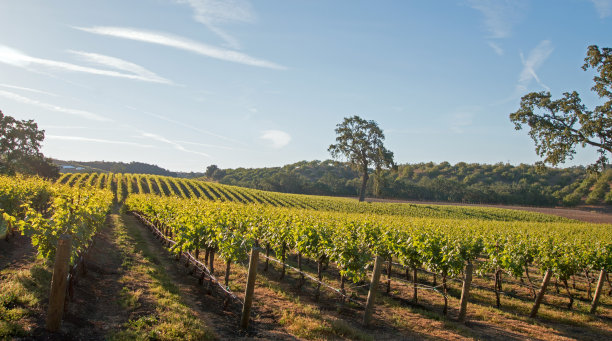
188,83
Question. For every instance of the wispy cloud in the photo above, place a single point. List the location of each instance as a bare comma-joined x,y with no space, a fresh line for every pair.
176,145
15,87
496,48
603,7
81,113
277,138
534,60
185,125
88,139
119,64
207,145
215,13
182,44
500,16
19,59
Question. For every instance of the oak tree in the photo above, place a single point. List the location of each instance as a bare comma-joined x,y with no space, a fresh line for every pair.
558,126
20,143
361,143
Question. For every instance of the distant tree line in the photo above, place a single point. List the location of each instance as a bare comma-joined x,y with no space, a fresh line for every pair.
463,182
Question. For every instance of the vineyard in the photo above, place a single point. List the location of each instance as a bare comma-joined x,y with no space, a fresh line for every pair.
123,185
45,211
351,240
450,260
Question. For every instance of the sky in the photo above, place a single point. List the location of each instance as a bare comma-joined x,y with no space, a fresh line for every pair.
184,84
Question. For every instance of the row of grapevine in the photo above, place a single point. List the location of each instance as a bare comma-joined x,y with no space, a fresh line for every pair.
351,240
124,185
45,211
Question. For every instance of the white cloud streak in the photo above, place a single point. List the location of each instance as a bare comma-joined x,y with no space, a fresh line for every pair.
498,50
277,138
182,124
19,59
88,139
174,144
499,15
535,59
15,87
181,43
214,13
81,113
207,145
603,7
138,71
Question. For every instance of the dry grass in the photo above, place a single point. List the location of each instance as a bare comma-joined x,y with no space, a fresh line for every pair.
148,286
23,294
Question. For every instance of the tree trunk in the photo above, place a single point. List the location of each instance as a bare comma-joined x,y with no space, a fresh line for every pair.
227,272
342,281
569,294
267,255
301,283
598,290
283,256
211,260
497,298
320,276
465,291
586,272
445,291
540,295
533,291
364,182
389,271
415,296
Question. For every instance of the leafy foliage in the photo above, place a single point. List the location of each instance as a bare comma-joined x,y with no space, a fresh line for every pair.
20,143
361,143
561,125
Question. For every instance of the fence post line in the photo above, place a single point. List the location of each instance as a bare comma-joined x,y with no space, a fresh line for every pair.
598,290
58,283
465,291
540,296
248,294
369,308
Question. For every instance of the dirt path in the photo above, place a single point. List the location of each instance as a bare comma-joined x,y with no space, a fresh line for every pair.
16,251
208,306
95,310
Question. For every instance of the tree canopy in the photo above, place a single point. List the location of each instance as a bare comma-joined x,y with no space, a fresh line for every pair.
361,143
20,143
558,126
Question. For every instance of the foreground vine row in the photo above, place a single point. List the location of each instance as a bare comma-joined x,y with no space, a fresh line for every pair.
45,211
351,240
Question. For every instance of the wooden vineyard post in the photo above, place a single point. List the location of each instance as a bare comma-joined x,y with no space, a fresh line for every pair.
600,283
369,308
540,296
248,294
58,283
465,292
